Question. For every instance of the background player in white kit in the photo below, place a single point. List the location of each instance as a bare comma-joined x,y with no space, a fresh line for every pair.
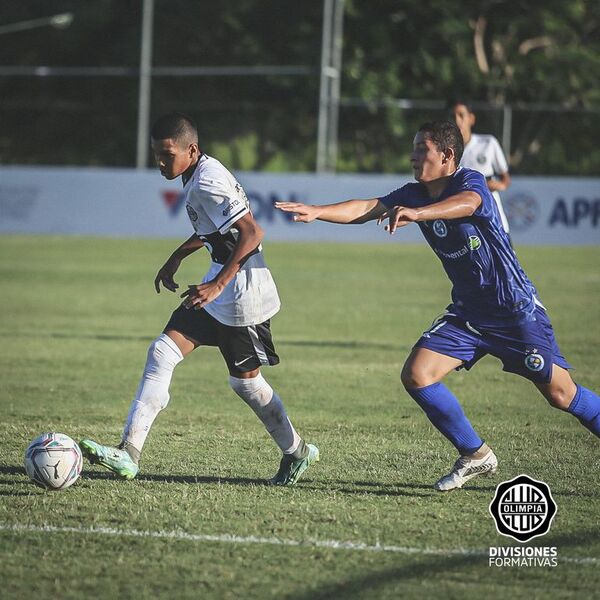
482,153
230,309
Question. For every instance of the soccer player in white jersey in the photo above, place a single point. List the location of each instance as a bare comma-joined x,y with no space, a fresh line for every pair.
482,153
495,308
231,308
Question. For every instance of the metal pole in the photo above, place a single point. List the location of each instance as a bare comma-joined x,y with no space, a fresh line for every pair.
336,79
323,125
506,129
145,85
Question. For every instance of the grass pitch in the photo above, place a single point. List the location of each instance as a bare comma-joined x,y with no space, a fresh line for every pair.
77,316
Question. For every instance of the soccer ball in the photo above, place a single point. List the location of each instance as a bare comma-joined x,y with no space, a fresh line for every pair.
54,461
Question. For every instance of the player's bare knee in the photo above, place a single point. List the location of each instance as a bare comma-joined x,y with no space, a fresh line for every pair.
559,398
413,377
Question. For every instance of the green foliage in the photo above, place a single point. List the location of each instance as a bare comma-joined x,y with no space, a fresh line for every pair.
532,52
77,317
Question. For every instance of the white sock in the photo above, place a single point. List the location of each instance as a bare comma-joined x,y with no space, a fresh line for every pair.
267,405
153,392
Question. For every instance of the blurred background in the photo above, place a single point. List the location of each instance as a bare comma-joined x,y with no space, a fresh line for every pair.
313,102
282,86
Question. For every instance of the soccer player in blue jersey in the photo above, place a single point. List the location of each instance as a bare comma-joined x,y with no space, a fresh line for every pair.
495,309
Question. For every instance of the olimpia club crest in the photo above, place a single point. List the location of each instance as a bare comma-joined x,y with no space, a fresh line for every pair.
523,508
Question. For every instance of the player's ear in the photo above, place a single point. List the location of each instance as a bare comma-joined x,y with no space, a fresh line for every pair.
193,150
449,155
472,119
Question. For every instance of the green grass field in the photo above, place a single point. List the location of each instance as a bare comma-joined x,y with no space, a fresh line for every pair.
77,316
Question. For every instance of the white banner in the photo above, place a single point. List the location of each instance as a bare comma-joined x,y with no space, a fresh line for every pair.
126,202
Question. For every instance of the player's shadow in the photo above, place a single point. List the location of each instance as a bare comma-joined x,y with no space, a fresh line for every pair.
11,470
109,337
420,568
398,488
348,345
188,479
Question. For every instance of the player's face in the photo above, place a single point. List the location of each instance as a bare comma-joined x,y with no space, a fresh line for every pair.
427,161
173,158
464,120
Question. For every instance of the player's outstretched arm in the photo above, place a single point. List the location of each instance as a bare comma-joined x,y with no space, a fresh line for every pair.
461,205
350,212
166,272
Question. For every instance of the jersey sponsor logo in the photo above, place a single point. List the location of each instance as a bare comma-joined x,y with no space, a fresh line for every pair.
453,255
523,508
193,215
232,204
439,228
534,362
474,242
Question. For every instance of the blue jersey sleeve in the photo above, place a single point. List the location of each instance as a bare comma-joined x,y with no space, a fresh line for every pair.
474,181
404,196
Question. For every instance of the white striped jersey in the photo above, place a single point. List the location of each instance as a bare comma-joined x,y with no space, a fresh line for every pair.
215,201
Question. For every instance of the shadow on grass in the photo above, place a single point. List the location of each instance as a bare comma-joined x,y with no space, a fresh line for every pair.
188,479
106,475
12,493
359,488
343,487
107,337
419,569
306,484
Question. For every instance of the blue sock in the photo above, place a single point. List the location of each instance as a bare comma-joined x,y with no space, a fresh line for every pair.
446,414
586,407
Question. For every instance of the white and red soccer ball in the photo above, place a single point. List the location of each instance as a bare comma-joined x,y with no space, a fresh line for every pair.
53,461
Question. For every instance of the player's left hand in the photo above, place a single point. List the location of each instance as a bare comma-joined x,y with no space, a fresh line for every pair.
197,296
398,216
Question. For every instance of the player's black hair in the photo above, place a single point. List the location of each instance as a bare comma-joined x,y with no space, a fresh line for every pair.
175,126
445,134
456,100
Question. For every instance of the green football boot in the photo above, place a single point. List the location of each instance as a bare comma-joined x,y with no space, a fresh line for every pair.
291,468
114,459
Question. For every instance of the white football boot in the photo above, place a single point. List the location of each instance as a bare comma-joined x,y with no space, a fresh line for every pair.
466,468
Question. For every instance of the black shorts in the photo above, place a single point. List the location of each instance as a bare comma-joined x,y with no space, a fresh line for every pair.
243,348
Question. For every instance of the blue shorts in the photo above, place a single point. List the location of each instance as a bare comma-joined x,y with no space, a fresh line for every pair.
529,349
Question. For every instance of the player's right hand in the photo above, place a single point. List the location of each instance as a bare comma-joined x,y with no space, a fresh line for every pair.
303,213
165,276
